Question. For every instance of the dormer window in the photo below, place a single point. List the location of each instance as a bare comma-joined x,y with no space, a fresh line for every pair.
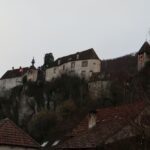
77,56
58,62
54,70
69,59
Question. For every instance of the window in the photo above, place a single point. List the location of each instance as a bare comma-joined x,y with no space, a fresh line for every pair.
69,59
91,72
77,56
83,73
63,67
141,58
72,64
84,63
72,72
54,70
58,62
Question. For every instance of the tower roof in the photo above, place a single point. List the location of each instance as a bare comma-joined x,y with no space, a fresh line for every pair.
145,48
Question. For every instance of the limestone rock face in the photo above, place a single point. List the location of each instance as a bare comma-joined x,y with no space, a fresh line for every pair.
19,105
27,107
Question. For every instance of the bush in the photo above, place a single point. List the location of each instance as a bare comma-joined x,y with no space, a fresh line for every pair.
42,124
67,108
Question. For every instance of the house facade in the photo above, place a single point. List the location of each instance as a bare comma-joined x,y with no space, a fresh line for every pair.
14,138
83,64
143,55
12,78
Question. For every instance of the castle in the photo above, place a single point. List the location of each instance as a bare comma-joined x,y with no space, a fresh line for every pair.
84,64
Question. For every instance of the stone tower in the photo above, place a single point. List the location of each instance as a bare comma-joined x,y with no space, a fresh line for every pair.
143,55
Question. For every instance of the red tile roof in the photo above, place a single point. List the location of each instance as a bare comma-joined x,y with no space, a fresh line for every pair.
109,121
12,135
15,73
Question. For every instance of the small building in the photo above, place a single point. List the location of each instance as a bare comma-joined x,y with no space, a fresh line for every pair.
13,137
143,55
12,78
83,64
122,127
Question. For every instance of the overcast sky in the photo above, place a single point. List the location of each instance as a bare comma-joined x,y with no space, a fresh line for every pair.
34,27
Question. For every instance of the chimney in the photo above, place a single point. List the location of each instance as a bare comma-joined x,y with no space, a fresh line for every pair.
92,119
12,68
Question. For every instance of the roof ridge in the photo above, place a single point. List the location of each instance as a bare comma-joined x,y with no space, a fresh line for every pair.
21,130
75,53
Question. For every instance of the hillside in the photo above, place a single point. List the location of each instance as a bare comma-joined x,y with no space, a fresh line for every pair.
126,64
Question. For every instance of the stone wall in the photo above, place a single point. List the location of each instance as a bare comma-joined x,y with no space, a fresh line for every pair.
98,88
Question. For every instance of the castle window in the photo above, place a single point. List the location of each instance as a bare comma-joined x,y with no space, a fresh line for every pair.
72,64
69,59
77,56
91,72
83,73
72,72
84,63
54,70
63,67
58,62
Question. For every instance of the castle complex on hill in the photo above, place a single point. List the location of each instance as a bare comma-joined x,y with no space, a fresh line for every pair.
84,64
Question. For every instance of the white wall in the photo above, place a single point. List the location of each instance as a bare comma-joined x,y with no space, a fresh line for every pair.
6,84
94,65
32,75
3,147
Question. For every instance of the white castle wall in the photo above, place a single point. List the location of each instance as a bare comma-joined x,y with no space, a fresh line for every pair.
6,84
94,65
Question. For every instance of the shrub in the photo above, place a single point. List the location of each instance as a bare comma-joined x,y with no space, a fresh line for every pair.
42,124
67,108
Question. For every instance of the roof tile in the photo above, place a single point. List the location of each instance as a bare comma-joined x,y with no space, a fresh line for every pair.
10,134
